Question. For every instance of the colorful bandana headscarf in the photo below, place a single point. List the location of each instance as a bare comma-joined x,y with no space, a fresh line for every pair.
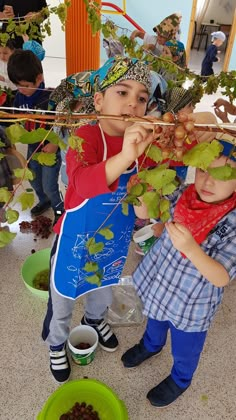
168,26
83,85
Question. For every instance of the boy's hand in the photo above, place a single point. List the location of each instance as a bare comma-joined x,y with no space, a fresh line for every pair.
181,237
8,12
222,115
50,148
136,138
220,102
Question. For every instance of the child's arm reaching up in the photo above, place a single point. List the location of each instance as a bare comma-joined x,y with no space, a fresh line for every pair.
211,269
136,138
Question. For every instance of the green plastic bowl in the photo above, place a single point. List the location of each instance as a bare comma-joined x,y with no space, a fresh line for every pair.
33,264
90,391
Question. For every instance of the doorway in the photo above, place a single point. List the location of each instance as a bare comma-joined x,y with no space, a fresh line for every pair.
205,16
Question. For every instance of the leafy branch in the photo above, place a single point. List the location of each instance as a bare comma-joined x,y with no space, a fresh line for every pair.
224,80
38,26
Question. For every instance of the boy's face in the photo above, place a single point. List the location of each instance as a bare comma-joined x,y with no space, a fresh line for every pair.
5,53
161,39
218,42
125,98
213,190
28,88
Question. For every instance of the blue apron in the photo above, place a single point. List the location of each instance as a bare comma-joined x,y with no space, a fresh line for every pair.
80,224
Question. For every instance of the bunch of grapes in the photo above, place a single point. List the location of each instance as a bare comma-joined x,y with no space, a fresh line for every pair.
81,411
41,226
172,139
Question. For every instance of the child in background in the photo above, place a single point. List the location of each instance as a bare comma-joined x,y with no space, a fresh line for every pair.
212,52
26,72
7,50
97,181
165,31
181,279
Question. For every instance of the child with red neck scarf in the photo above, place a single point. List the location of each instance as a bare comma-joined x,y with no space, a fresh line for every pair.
181,279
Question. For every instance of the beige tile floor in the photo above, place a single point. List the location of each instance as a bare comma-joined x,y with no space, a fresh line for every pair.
26,382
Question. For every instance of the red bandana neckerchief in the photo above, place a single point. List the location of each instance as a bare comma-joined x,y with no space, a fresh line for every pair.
200,217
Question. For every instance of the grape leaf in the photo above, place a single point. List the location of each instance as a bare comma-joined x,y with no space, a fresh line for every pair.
158,177
48,159
95,279
26,200
54,138
107,233
12,216
164,205
152,201
6,237
2,144
15,132
138,189
154,153
2,156
165,216
75,142
35,136
169,188
24,174
90,267
94,247
223,173
131,199
5,195
201,155
125,208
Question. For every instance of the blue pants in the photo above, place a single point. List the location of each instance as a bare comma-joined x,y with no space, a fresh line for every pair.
186,348
45,183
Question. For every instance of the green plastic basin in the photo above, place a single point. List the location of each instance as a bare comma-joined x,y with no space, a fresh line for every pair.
103,399
33,264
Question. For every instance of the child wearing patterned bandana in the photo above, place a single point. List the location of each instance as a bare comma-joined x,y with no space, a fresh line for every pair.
97,176
165,31
181,279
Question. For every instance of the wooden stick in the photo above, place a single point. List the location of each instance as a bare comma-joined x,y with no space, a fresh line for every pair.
68,119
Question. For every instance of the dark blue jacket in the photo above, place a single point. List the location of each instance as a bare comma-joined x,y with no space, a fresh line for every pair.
209,59
39,100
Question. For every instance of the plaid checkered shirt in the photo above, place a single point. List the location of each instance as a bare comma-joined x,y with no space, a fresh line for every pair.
170,286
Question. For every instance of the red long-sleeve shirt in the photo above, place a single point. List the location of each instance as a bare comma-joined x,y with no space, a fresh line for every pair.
86,172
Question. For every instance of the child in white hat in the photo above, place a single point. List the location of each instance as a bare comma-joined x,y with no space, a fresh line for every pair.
211,56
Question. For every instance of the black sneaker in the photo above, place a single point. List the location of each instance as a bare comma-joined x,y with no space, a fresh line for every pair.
136,355
165,393
107,339
40,208
60,365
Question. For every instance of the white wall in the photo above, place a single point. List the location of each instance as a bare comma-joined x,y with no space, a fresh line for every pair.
55,44
221,11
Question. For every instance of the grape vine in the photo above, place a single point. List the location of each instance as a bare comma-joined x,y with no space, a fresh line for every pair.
223,80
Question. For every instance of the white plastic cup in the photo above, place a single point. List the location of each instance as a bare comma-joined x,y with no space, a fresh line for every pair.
145,238
83,334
